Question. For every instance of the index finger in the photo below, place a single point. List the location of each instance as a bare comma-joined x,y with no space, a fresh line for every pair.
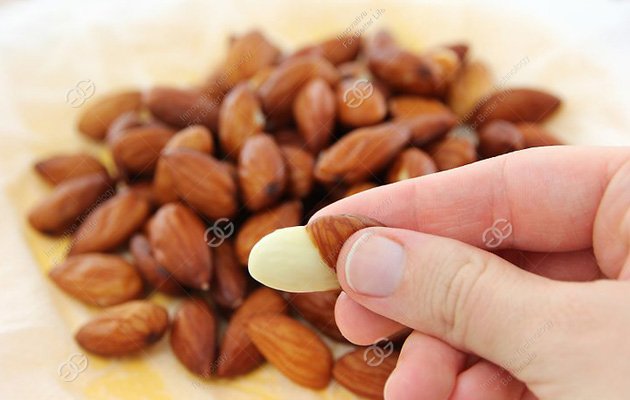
541,199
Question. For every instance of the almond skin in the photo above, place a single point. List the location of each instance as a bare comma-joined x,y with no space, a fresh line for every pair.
300,166
258,225
57,169
194,337
98,279
354,373
261,172
452,152
318,308
515,105
62,210
229,282
182,107
314,113
279,90
137,151
360,102
202,182
240,118
97,118
111,224
427,127
177,237
124,329
535,135
499,137
152,272
237,351
296,351
330,232
411,106
361,153
411,163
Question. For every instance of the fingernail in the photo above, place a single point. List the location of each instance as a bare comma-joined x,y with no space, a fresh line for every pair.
375,265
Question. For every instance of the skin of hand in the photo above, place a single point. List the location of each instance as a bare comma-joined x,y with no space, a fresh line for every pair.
556,327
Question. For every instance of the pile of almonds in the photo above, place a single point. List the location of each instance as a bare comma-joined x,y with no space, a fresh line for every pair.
265,142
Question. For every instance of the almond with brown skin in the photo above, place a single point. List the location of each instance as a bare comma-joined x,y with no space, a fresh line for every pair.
360,102
247,55
194,337
62,210
202,182
452,152
337,50
229,282
177,237
279,90
473,83
57,169
124,329
238,354
353,372
515,105
111,224
449,65
318,308
296,351
300,166
411,163
499,137
97,118
258,225
428,127
262,173
361,153
290,137
411,106
137,151
127,120
240,117
535,135
183,107
314,113
152,272
98,279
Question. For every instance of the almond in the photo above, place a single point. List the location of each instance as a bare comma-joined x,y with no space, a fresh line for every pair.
279,90
499,137
126,120
452,152
111,224
194,337
515,105
240,117
63,167
449,64
177,237
97,118
353,372
237,351
300,166
124,329
98,279
314,112
337,50
152,272
314,248
319,309
361,153
258,225
63,209
229,282
474,82
137,151
427,127
247,55
183,107
293,349
411,163
360,102
202,182
411,106
534,135
290,137
261,172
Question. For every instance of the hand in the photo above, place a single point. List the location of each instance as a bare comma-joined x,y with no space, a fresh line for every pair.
556,328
